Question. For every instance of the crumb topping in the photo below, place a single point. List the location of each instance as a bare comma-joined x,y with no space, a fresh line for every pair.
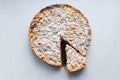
54,22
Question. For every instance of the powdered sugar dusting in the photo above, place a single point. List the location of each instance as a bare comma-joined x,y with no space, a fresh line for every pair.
55,22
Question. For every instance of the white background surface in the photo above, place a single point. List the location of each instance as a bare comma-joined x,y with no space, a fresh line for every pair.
18,62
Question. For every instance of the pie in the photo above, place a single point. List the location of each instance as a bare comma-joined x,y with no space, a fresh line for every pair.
60,35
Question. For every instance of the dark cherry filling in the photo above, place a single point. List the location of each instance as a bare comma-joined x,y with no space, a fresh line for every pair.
33,26
63,44
50,7
47,8
56,5
63,52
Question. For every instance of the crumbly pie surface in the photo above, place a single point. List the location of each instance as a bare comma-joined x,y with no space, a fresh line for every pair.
60,23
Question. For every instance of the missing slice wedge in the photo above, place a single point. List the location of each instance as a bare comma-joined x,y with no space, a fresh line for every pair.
71,58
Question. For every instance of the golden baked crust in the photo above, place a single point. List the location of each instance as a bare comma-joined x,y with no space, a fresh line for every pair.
53,22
